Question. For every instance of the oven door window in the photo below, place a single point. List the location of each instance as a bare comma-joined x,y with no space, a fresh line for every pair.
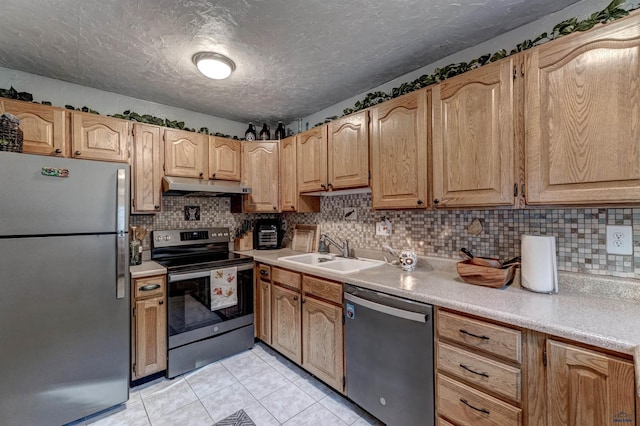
189,301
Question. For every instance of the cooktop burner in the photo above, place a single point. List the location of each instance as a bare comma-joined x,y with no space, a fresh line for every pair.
206,248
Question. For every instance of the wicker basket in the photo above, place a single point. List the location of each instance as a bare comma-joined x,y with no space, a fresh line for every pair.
10,136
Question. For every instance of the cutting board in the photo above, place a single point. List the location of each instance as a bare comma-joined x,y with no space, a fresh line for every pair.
305,238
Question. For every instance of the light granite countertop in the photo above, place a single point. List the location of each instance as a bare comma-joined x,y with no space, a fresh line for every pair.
585,309
146,269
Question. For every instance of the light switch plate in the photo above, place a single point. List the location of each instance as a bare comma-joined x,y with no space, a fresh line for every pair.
619,239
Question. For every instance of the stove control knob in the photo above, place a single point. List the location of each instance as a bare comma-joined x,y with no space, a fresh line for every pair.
167,238
159,238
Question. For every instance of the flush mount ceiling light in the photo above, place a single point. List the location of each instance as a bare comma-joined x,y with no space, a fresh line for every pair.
214,65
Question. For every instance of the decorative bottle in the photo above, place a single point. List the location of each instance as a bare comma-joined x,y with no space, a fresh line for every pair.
250,134
265,133
280,132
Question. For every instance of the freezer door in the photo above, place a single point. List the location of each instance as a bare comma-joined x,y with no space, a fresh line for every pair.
32,202
65,334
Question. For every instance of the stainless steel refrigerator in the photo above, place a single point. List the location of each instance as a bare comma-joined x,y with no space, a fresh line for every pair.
64,288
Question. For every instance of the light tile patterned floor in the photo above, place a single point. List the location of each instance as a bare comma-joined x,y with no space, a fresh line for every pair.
268,387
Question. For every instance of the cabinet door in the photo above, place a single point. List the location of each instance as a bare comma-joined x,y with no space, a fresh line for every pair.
288,175
399,162
96,137
473,138
43,127
581,112
312,160
322,339
348,151
147,168
260,172
285,322
264,323
150,337
185,154
224,158
587,388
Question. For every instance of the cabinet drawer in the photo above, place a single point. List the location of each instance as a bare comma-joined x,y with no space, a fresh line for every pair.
284,277
491,338
481,371
150,286
264,272
467,406
329,290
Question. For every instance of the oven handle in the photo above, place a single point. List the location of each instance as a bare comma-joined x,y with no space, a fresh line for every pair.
201,274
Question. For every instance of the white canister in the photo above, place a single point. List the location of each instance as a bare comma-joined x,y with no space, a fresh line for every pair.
539,271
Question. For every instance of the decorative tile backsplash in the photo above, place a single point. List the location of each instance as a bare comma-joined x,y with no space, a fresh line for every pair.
580,233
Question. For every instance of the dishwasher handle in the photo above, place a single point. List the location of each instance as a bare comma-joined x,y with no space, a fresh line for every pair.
400,313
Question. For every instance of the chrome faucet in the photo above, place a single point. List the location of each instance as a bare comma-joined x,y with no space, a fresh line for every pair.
325,241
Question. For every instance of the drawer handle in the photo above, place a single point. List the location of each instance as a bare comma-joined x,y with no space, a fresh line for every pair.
149,287
463,331
482,410
473,371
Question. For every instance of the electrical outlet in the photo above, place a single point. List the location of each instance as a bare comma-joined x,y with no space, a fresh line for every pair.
350,213
619,240
383,228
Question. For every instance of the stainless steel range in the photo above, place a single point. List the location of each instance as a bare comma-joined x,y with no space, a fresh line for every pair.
209,296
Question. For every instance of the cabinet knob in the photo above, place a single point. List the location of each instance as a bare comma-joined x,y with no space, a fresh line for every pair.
213,175
295,297
293,207
201,174
323,186
329,185
58,151
161,302
420,202
263,272
77,153
275,208
157,207
436,201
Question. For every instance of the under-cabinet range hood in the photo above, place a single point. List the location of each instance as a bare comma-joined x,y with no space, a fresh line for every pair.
202,187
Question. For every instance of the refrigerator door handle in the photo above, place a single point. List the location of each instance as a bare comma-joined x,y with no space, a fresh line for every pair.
122,261
121,214
121,238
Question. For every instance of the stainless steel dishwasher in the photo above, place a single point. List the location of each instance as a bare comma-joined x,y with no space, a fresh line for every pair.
389,356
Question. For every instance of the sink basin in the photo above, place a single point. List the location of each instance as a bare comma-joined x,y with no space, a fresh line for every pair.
329,262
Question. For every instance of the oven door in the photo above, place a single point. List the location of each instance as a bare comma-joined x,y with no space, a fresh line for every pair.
189,314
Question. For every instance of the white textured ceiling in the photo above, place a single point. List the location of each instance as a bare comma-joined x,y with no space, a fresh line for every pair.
293,57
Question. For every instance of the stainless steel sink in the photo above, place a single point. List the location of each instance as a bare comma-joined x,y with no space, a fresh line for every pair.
330,262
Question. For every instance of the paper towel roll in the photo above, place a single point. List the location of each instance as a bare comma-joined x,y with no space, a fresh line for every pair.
539,270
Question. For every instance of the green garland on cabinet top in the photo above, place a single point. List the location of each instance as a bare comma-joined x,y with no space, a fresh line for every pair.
612,12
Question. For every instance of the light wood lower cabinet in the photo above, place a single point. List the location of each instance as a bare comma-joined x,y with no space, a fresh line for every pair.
148,326
286,331
322,335
301,317
588,388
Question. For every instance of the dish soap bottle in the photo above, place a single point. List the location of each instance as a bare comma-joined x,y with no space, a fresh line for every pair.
280,132
250,134
265,133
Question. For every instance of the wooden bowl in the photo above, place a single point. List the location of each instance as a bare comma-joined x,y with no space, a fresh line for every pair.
484,275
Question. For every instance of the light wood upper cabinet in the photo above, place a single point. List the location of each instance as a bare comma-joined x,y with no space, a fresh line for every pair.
96,137
146,170
288,175
399,162
582,117
348,151
286,322
185,154
587,388
224,159
260,172
474,147
43,127
312,160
